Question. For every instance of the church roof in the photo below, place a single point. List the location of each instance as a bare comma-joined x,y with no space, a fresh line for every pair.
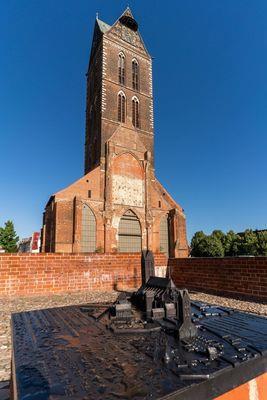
125,18
103,26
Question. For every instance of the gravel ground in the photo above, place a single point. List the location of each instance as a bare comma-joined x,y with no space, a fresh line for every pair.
8,306
238,304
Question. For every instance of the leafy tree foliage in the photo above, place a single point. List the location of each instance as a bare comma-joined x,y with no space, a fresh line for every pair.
210,246
262,242
230,243
9,238
218,234
219,244
249,243
196,240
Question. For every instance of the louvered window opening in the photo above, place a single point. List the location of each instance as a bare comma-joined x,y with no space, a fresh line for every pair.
164,236
130,239
135,113
135,75
121,108
88,239
121,69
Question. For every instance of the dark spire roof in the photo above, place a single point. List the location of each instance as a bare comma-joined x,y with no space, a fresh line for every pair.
128,20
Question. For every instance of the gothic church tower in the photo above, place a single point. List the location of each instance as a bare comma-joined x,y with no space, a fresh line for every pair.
118,205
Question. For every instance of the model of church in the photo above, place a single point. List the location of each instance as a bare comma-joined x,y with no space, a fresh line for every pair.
118,205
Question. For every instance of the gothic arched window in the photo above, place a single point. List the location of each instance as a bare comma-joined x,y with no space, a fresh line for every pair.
121,107
121,68
135,75
164,235
135,112
88,236
130,235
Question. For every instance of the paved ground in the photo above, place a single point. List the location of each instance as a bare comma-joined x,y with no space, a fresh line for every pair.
8,306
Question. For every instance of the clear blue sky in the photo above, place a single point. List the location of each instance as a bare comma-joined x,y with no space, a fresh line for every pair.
210,90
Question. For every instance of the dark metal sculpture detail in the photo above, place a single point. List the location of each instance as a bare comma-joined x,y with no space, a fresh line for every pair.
157,302
151,344
147,266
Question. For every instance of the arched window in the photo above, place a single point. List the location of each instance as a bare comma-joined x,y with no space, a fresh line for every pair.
135,112
121,68
130,238
135,75
88,237
121,107
164,235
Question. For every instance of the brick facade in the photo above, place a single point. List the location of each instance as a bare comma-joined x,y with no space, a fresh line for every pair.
119,157
234,276
44,274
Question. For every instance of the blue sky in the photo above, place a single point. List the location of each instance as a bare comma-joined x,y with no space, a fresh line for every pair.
210,90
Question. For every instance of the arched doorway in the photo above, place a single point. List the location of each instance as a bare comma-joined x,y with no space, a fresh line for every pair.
130,237
88,238
164,235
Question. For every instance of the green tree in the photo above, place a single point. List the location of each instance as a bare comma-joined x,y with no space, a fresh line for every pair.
262,243
206,246
218,234
210,246
196,239
231,243
9,238
248,244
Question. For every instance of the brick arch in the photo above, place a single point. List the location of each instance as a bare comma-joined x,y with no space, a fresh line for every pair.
127,180
131,164
121,211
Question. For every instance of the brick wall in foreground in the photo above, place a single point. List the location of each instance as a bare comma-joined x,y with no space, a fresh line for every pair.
235,276
35,274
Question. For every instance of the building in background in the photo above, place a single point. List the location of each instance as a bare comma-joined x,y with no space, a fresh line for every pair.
31,244
118,205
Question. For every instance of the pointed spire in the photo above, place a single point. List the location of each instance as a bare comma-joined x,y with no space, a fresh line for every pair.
128,19
97,15
128,11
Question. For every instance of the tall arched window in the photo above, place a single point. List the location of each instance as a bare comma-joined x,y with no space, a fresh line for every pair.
121,107
121,68
130,237
88,237
135,112
164,235
135,75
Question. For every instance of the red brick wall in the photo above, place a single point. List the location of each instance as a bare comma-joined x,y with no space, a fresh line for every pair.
237,276
47,273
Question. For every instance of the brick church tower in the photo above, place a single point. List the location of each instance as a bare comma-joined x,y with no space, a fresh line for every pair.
118,205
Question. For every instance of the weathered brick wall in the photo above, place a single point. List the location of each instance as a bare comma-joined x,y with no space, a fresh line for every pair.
47,273
235,276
